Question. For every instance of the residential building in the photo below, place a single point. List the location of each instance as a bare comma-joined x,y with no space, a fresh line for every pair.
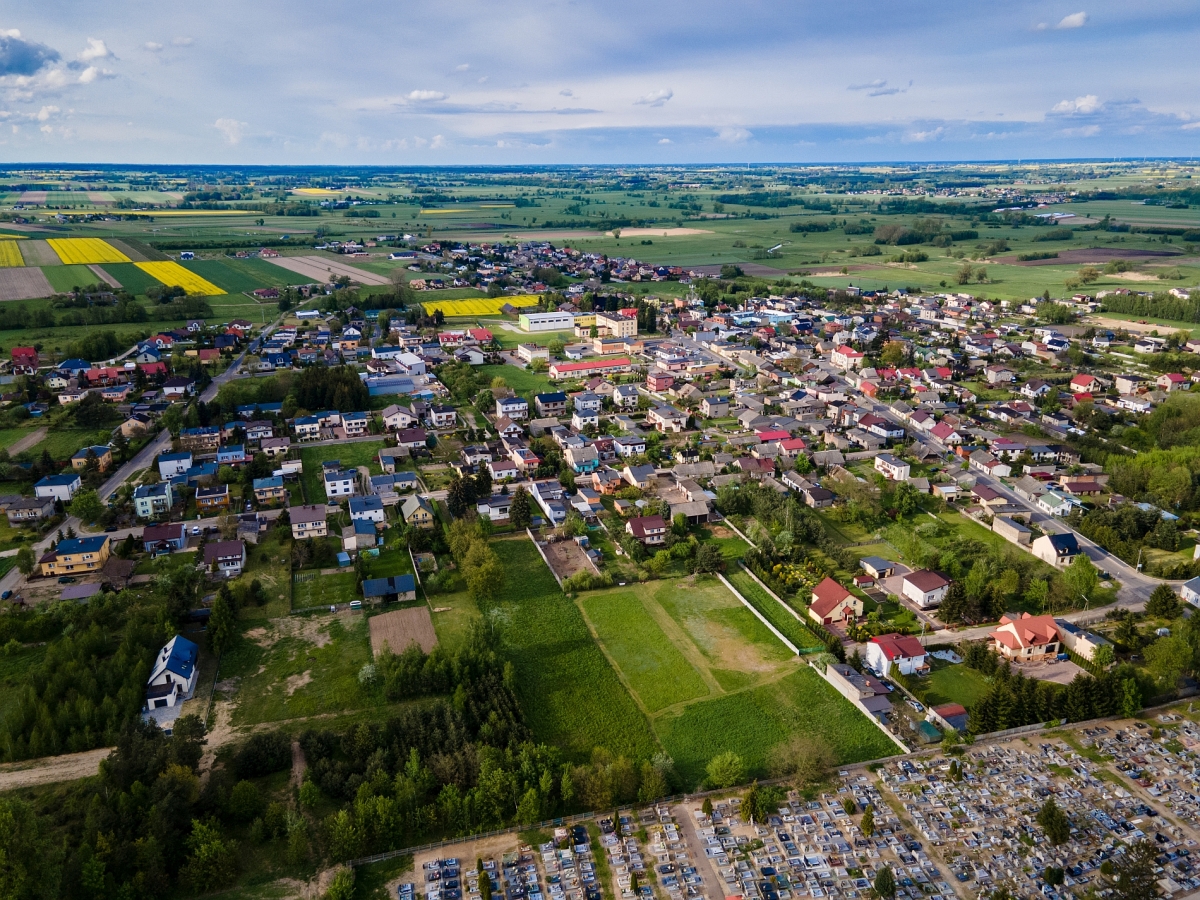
649,530
417,511
367,509
153,500
1056,549
529,352
339,482
173,678
397,588
832,604
1027,638
214,497
1190,591
76,556
228,557
101,453
164,538
625,396
58,487
902,651
270,489
307,522
397,417
924,588
443,416
551,404
29,510
1080,641
515,408
1012,530
667,419
892,467
601,367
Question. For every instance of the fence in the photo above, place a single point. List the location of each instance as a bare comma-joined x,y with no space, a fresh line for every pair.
795,615
746,603
824,673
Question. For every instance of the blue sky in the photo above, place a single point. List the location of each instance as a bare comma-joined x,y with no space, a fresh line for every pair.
603,82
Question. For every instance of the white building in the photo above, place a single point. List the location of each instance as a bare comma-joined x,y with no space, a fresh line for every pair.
892,467
925,588
173,678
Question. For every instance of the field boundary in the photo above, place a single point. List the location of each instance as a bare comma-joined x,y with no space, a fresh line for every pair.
750,606
542,554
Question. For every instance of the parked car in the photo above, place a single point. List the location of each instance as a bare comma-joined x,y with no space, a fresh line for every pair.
67,579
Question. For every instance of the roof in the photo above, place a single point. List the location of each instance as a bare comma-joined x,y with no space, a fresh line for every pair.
178,657
827,595
1027,631
643,524
899,646
1063,544
172,531
382,587
58,480
223,550
306,514
81,545
926,581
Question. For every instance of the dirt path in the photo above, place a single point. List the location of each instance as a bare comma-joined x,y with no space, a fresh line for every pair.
51,769
105,277
299,764
23,444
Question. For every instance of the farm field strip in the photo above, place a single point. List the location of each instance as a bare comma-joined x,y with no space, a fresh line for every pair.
488,306
324,270
172,274
82,251
24,284
66,278
10,254
777,615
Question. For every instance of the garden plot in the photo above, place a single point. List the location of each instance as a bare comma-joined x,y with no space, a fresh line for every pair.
400,628
566,558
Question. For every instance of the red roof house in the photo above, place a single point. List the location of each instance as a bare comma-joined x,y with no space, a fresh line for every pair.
833,604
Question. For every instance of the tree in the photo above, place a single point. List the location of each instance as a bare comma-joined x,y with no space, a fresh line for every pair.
1081,577
708,559
212,862
1131,697
25,561
954,605
1053,876
885,883
1163,603
222,624
808,758
484,573
707,807
868,821
1168,658
1133,876
1103,656
86,505
725,770
518,510
341,886
1054,822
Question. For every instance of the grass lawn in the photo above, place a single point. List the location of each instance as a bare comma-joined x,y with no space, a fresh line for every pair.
569,691
350,455
653,666
270,562
311,589
732,546
299,666
168,563
751,722
65,444
787,624
453,616
949,683
9,436
391,561
523,381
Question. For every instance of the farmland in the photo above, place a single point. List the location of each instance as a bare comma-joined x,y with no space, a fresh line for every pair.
65,278
10,254
84,251
484,306
173,274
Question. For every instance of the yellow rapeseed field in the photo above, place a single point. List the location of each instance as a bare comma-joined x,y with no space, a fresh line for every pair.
481,306
86,251
10,255
172,274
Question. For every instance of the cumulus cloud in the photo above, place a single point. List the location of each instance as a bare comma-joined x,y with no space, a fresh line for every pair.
1084,105
1074,20
46,112
437,143
91,73
153,46
22,57
664,140
462,67
921,137
232,129
96,49
425,96
734,134
655,98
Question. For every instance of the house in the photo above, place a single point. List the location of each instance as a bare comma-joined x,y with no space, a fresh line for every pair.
275,446
1056,549
1027,638
270,489
1190,591
1012,530
817,497
503,469
24,361
629,446
601,367
417,511
832,604
165,538
1172,381
397,588
846,357
903,651
877,567
641,477
1085,384
924,588
101,453
29,510
397,417
359,535
202,439
650,530
58,487
307,522
153,500
1078,641
367,509
551,405
515,408
135,425
231,455
529,352
412,438
76,556
582,460
667,418
625,396
443,416
173,678
213,497
496,508
339,482
225,558
1053,503
892,467
582,420
178,386
172,464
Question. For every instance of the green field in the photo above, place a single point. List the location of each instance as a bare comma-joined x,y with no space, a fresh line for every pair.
787,624
65,444
66,278
299,666
568,689
224,276
523,381
751,722
131,277
323,590
949,683
351,456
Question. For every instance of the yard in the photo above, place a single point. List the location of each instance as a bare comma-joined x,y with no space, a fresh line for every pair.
787,624
351,456
310,589
949,683
523,381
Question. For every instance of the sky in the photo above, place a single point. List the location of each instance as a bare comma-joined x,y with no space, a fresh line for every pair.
572,82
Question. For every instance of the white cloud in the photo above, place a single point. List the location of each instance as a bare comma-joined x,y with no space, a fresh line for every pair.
46,112
46,129
153,46
921,137
664,140
733,134
462,67
91,73
437,143
1085,105
96,49
1074,20
1191,126
183,41
870,85
655,98
11,32
566,92
483,79
231,129
425,96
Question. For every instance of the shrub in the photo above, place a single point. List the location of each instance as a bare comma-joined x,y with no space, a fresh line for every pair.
263,754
